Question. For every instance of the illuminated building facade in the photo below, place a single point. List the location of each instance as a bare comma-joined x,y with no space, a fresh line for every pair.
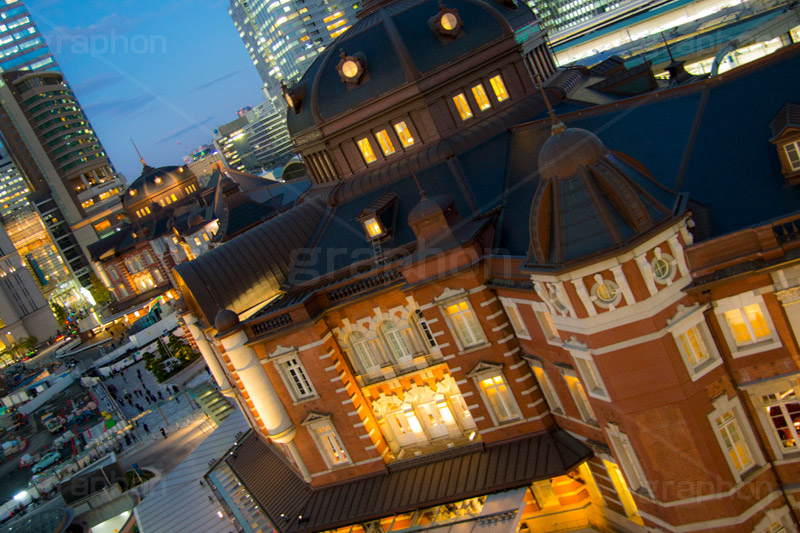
267,135
284,36
21,44
485,318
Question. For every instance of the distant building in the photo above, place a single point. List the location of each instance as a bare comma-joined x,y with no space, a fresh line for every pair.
23,47
203,164
283,38
232,145
267,135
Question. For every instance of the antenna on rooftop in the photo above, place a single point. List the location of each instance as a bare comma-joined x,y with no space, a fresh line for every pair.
139,154
672,59
557,125
416,180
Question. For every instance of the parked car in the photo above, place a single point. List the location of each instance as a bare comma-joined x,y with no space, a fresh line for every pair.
46,460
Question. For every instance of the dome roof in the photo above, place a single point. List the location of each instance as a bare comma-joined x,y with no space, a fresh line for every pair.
397,45
154,181
590,200
566,151
226,320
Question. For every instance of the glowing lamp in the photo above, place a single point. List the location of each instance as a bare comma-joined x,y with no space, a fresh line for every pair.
449,21
349,69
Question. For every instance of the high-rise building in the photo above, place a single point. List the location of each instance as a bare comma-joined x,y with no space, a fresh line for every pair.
284,37
232,145
268,136
21,44
73,184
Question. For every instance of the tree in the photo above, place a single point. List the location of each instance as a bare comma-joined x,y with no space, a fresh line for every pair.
60,312
99,292
28,343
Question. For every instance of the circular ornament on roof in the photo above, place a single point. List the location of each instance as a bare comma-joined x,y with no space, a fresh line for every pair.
663,266
447,22
606,293
350,68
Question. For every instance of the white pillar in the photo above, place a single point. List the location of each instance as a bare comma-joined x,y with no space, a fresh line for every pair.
208,354
265,400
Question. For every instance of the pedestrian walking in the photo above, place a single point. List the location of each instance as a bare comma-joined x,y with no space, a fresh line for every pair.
146,429
163,433
177,399
160,396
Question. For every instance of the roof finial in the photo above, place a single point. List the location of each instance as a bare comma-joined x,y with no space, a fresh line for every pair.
416,180
557,125
144,165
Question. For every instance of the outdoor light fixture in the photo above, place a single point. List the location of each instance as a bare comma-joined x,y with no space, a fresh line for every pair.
158,180
374,228
350,68
132,192
447,22
293,96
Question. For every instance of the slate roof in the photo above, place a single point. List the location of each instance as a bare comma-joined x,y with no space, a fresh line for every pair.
435,479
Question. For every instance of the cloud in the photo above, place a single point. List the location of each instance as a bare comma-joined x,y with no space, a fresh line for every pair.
177,133
219,79
120,107
96,83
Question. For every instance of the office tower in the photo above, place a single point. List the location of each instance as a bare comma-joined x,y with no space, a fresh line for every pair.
21,44
232,145
267,135
284,37
558,15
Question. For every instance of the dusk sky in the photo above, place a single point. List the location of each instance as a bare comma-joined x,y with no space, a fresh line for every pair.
157,72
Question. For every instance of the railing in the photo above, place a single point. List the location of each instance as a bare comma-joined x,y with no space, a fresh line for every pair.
271,324
356,287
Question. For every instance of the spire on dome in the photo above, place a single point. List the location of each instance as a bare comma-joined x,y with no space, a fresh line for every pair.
145,166
557,125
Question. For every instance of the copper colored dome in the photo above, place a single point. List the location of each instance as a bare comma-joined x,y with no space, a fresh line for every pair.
563,153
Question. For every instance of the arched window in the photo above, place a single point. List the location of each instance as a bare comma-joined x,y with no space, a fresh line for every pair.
395,344
361,350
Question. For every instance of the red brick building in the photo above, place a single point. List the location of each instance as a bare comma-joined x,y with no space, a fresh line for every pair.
484,318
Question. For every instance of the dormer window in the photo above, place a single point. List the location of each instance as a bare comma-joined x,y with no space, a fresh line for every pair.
374,228
366,151
404,134
480,97
447,23
462,106
499,88
786,138
385,142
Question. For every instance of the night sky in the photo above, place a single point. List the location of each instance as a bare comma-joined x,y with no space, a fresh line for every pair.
155,71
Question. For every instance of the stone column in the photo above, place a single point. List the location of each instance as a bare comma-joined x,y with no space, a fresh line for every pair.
790,299
208,354
245,361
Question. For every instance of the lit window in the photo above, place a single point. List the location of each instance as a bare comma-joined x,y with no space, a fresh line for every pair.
793,153
623,450
174,198
197,241
385,142
394,342
480,97
468,330
783,411
374,227
579,395
404,134
500,399
546,386
625,496
462,106
735,445
499,88
366,151
102,225
694,347
747,325
328,441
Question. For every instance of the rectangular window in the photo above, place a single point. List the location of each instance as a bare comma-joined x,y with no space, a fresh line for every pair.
793,153
462,106
735,445
547,387
581,401
113,273
385,142
500,399
480,97
296,378
366,151
590,375
693,346
548,327
516,320
404,134
499,88
621,487
466,326
747,325
331,447
783,411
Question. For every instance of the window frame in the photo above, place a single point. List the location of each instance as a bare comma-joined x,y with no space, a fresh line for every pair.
412,133
387,135
757,393
314,422
579,396
503,84
485,371
515,319
546,323
464,100
722,406
740,302
397,334
280,362
546,385
424,331
365,139
693,318
463,297
628,461
356,355
480,96
796,146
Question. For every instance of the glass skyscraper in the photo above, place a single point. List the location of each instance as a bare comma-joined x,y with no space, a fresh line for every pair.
284,36
21,45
